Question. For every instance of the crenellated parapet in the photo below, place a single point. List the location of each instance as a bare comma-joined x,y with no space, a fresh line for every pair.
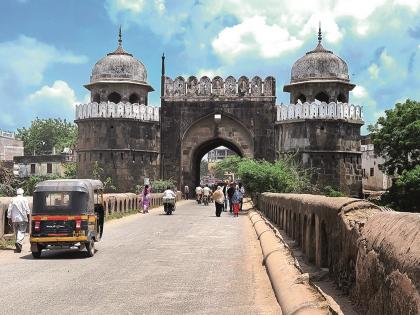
320,110
120,110
204,88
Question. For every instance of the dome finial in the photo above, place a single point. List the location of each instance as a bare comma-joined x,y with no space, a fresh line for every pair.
319,33
120,38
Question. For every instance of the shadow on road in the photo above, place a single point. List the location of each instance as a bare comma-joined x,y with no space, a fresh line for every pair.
58,254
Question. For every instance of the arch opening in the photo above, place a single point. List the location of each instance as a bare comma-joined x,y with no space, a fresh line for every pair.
114,97
322,97
324,246
134,98
341,98
218,147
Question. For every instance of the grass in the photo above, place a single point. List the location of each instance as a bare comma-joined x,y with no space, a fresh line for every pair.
119,215
6,244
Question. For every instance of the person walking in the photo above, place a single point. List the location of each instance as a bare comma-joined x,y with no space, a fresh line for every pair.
186,192
230,193
18,214
145,199
219,200
236,200
224,189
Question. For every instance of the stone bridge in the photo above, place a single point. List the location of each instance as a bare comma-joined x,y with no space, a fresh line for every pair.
372,255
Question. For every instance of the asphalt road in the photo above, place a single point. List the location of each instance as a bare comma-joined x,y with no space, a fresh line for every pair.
189,263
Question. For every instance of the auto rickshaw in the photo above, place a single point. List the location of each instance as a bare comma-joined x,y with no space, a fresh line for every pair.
67,213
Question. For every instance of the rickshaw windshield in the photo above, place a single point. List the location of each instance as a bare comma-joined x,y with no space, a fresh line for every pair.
60,202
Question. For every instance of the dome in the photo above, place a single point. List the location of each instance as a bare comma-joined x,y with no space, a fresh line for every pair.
119,66
319,64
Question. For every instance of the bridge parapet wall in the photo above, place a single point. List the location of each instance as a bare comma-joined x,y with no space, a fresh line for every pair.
319,110
372,255
114,203
121,110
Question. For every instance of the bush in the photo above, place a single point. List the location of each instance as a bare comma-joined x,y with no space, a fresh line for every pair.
159,185
282,176
331,192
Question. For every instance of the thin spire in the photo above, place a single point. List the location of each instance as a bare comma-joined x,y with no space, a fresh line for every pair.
163,64
120,38
319,33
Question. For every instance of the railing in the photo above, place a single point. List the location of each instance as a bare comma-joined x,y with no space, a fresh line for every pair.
114,203
120,110
319,110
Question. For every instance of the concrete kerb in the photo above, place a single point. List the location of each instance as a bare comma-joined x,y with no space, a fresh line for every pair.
294,294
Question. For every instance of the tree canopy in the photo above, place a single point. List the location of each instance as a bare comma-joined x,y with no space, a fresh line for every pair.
396,137
45,134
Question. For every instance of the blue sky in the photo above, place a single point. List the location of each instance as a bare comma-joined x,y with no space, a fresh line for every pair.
48,47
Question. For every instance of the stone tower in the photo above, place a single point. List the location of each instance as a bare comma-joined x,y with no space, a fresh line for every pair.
117,129
320,125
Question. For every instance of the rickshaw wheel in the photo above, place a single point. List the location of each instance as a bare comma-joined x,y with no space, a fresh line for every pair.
90,247
36,254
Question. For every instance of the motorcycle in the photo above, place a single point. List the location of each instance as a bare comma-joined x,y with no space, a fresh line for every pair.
199,198
168,205
206,200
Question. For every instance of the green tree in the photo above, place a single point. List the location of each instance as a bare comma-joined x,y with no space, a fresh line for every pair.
45,134
70,170
8,182
227,165
99,173
396,137
405,191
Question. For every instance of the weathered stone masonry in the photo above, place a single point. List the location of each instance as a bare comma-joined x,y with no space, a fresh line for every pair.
372,255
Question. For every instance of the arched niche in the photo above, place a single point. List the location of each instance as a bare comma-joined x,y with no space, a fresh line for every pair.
114,97
322,97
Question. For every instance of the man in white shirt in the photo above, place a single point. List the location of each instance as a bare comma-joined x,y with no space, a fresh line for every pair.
198,192
18,215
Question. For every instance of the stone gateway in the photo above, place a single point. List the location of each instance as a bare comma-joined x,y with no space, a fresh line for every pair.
132,140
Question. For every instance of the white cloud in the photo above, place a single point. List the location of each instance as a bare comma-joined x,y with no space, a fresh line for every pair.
26,59
59,93
387,60
135,6
359,92
254,35
374,71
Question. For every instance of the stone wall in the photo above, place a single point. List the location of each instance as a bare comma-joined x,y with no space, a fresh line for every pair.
372,255
330,147
127,150
189,128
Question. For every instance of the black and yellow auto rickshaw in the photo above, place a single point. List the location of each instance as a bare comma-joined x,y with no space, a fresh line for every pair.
67,213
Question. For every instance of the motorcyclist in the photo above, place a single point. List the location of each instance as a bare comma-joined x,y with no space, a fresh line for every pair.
168,193
199,192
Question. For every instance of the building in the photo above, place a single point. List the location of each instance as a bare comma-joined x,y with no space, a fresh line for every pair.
132,140
219,154
373,178
10,146
41,165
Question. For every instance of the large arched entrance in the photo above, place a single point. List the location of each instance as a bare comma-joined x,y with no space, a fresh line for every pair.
207,133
